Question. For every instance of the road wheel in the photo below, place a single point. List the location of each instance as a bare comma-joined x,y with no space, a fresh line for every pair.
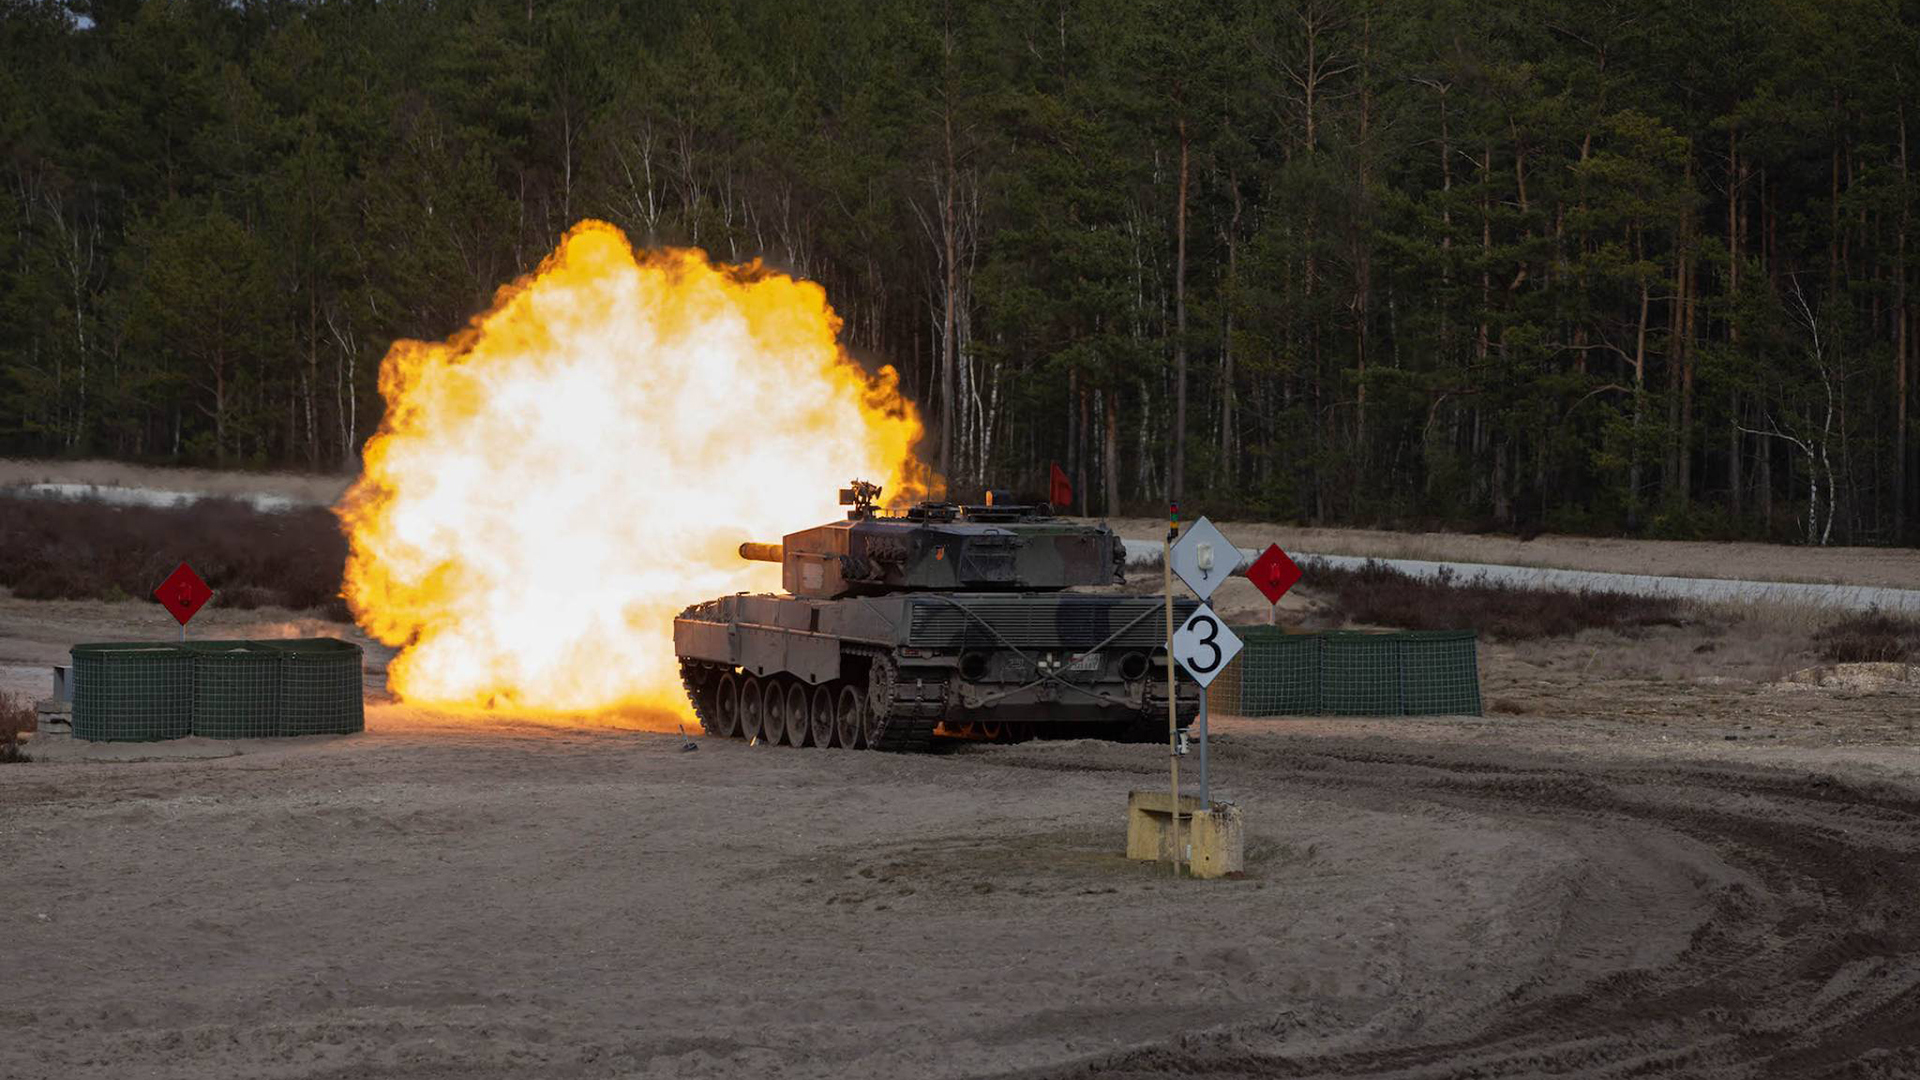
821,715
850,718
773,710
750,711
726,707
799,728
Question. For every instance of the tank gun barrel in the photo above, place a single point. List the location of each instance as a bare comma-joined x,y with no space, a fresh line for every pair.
754,551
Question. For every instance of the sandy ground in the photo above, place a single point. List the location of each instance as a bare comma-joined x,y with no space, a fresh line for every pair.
1646,860
436,899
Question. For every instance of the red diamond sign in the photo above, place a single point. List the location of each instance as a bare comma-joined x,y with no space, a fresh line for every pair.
182,593
1273,573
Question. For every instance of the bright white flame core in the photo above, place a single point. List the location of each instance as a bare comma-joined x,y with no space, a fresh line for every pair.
553,484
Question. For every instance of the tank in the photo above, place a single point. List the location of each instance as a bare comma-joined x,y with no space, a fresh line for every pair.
941,619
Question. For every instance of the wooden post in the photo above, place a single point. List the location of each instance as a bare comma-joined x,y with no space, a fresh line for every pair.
1173,702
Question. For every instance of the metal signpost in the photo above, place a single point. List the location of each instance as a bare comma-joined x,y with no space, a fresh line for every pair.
1204,645
1203,558
182,594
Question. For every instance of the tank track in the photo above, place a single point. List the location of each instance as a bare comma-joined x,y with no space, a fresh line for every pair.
905,713
691,672
901,714
905,722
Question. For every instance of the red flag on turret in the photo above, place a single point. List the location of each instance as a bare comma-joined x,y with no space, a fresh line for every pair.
1060,490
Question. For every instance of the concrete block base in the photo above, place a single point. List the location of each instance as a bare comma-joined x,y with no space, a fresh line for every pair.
1150,824
53,717
1219,845
1213,842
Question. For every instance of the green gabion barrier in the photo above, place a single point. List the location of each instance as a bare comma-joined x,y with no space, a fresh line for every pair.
321,689
132,692
236,690
1360,674
217,689
1351,673
1441,673
1290,684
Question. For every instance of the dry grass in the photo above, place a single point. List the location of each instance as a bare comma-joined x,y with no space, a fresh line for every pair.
1378,595
17,717
1869,637
1762,642
69,550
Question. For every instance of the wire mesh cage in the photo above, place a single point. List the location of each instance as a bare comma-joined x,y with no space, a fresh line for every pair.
218,689
132,692
236,689
321,687
1440,673
1350,673
1360,674
1276,674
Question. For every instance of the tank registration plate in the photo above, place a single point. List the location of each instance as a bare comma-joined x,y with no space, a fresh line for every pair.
1085,662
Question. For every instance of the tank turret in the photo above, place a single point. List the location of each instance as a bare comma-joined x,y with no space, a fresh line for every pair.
942,547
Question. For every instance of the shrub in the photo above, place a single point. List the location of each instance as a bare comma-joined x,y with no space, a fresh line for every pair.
1377,594
16,717
1870,637
74,550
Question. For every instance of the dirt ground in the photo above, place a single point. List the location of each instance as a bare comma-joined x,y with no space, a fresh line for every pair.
435,899
1646,860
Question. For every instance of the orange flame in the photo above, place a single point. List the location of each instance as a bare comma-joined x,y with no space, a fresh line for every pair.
554,483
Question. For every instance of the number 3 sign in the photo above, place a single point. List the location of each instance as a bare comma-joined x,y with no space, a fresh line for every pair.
1204,644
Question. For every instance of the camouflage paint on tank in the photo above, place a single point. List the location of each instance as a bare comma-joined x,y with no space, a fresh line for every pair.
946,548
951,616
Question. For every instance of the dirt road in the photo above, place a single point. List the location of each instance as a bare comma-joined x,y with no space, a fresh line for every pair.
435,900
1711,920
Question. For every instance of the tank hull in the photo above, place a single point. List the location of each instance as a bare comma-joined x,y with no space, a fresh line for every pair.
891,672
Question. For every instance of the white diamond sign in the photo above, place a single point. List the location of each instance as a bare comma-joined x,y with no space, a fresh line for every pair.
1204,644
1204,558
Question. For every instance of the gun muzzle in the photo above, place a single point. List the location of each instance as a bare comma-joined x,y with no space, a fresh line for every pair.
756,552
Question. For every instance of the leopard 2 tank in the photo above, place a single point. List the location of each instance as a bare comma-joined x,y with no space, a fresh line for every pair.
939,619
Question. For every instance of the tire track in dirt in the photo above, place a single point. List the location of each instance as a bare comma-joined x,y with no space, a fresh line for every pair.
1803,957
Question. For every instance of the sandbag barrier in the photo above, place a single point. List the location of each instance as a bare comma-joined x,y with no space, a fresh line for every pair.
1351,673
143,691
